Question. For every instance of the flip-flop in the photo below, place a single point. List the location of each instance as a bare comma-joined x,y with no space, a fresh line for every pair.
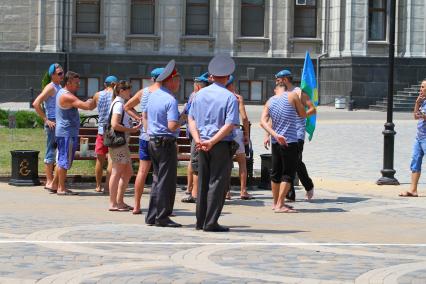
125,209
286,210
113,209
51,190
137,212
407,194
247,197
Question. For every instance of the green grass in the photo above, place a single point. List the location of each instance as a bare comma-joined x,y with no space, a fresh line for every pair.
35,139
32,139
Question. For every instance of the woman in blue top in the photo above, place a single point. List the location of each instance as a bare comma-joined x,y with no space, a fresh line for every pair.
48,98
419,148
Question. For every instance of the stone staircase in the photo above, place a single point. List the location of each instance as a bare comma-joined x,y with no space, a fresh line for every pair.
403,100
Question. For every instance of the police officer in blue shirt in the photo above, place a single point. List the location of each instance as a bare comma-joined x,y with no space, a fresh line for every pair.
212,117
163,128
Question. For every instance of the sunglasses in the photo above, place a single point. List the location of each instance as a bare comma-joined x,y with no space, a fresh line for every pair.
60,73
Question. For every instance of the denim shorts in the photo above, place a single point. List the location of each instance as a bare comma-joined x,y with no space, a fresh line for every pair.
50,156
419,149
143,150
67,146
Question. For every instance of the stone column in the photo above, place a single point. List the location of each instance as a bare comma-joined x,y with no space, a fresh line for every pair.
170,25
356,28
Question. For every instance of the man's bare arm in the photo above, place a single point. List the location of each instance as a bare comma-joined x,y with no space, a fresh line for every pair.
129,107
47,92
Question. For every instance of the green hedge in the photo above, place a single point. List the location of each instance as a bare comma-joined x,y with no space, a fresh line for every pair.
24,119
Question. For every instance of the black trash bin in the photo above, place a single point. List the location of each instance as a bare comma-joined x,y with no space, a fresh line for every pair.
265,171
24,168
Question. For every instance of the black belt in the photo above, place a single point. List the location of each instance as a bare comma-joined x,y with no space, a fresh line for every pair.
162,140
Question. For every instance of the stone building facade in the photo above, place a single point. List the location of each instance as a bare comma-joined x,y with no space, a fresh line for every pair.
347,40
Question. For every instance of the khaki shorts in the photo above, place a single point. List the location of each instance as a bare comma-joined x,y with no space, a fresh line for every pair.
120,155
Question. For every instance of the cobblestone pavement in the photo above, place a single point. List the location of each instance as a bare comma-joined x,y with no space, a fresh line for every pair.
341,237
354,231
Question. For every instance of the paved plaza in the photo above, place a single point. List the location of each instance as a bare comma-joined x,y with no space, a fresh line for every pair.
353,232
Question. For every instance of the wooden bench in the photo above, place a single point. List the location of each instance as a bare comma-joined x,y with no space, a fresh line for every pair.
184,145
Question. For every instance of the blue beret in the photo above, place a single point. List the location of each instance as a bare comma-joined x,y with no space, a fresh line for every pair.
111,79
52,68
156,72
283,73
221,65
168,70
230,81
202,78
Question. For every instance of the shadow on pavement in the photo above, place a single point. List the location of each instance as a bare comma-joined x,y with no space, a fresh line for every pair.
240,229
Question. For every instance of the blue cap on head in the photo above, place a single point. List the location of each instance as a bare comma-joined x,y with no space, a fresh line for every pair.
202,78
52,68
230,81
111,79
283,73
156,72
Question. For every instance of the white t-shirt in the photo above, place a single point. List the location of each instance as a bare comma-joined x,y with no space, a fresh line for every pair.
118,104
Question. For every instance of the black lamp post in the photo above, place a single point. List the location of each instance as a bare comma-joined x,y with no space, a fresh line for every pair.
389,133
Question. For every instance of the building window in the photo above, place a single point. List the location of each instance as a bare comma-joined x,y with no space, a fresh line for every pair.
88,87
88,15
251,90
197,17
142,17
253,18
305,18
377,19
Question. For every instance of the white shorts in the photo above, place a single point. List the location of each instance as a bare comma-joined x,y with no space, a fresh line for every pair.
239,138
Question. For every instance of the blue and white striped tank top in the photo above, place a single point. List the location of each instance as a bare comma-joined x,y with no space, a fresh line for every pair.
144,102
283,116
67,120
104,104
50,103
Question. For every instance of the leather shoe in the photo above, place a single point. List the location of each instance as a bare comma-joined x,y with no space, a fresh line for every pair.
217,228
198,228
169,223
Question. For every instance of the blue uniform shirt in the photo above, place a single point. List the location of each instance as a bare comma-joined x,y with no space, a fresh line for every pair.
421,125
213,107
162,107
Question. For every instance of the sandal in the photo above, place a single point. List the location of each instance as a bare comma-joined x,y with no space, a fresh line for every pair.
285,210
408,194
138,212
246,197
50,190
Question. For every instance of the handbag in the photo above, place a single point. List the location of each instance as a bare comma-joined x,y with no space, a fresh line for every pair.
113,138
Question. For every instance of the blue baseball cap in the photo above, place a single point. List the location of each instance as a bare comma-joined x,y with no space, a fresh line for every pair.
230,81
156,72
283,73
111,79
52,68
202,78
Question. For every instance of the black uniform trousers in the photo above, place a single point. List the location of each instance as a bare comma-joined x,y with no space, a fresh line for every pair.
163,189
214,172
302,173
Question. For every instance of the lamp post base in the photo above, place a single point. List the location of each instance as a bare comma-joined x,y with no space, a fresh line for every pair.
387,181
